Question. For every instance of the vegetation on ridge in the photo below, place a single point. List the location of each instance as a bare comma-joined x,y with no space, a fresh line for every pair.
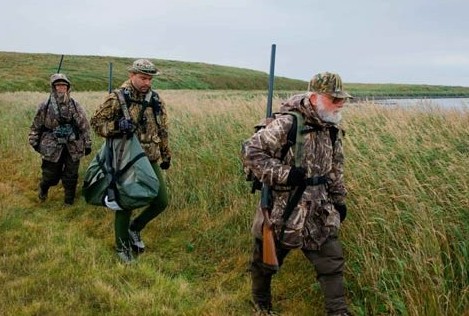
30,72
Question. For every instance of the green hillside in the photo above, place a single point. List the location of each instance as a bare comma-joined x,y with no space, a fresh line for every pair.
30,72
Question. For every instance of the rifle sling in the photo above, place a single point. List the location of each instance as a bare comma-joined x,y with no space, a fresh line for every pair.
295,197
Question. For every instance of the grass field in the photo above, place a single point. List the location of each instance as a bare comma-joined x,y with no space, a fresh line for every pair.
405,237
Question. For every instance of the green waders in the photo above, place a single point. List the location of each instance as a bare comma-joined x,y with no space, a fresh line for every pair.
122,218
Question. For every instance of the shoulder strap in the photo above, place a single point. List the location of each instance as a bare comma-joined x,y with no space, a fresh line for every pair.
295,137
333,133
120,96
74,104
156,106
298,150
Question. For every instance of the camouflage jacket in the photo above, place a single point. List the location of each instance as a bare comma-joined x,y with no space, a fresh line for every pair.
314,219
151,129
56,126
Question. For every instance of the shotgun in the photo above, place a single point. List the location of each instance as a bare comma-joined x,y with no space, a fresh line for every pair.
110,78
269,256
60,64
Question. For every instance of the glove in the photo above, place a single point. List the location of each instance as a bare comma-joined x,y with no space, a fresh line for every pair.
342,209
165,164
125,125
87,151
296,176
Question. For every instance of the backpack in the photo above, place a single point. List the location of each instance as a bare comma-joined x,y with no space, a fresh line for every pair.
295,138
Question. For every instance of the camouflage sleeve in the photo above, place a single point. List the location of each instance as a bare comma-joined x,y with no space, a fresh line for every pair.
337,190
83,125
37,126
263,150
107,114
163,133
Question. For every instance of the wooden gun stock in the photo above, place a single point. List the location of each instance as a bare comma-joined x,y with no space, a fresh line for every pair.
269,255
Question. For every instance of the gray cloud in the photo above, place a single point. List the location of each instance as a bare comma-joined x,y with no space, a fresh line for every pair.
369,41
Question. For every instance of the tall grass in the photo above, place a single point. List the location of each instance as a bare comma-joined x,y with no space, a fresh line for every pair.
405,236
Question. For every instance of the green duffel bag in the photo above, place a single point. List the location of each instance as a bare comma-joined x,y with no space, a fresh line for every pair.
120,176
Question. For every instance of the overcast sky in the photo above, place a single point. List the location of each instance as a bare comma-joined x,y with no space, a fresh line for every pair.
365,41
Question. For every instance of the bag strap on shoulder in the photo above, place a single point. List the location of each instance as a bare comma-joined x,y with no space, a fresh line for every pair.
120,96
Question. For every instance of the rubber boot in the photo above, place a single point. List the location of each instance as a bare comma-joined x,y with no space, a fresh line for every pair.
43,192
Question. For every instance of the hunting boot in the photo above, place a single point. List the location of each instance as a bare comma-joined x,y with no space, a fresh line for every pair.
43,191
69,198
261,291
135,240
125,255
121,227
263,310
69,188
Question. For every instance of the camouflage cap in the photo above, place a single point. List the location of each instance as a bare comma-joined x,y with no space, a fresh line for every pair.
143,66
55,78
328,83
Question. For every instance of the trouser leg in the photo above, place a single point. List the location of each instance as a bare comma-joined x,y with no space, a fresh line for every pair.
51,173
261,275
121,229
329,265
70,177
157,206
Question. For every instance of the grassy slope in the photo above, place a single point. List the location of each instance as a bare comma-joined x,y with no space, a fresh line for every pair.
30,72
405,237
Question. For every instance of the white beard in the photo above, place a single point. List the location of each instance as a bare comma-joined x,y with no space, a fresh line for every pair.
327,116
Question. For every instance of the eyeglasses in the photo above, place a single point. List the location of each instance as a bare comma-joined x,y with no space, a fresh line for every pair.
334,100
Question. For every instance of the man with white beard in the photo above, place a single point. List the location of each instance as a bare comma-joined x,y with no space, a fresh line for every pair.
60,132
314,219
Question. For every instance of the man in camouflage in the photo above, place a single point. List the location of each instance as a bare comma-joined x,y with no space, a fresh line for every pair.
60,132
315,220
149,121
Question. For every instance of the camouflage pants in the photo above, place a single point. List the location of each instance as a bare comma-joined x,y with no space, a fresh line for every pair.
65,169
328,263
122,219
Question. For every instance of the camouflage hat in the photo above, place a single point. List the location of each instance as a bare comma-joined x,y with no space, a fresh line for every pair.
55,78
328,83
143,66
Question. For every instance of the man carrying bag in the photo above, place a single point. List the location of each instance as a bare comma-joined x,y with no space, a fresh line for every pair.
147,122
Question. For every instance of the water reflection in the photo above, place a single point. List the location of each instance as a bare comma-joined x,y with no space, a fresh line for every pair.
439,102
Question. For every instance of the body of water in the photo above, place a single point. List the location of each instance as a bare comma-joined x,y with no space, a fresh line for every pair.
441,102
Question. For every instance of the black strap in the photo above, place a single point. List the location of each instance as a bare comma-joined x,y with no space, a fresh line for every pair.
295,197
129,164
120,172
291,139
154,103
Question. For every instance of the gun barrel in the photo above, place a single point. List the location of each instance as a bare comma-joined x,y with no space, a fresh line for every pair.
271,81
60,64
110,78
